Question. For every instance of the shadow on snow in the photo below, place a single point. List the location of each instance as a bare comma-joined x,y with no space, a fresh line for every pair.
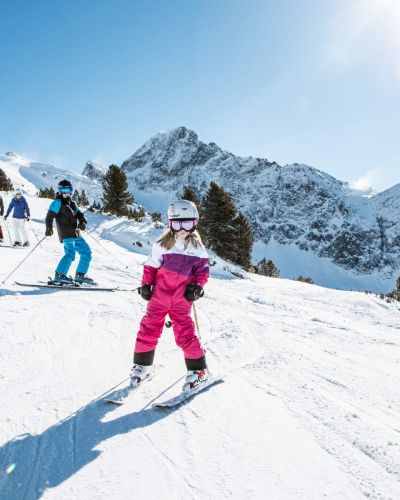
40,291
46,460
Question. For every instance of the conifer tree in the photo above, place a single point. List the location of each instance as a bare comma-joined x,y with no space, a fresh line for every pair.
5,182
218,216
83,202
156,216
267,268
305,279
76,197
189,194
116,196
243,241
46,193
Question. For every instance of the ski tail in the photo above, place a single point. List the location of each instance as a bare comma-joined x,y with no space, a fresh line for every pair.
120,396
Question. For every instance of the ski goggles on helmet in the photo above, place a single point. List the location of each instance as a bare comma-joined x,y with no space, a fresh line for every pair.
65,190
188,225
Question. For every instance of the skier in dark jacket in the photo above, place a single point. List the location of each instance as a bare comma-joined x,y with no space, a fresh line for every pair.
21,213
70,222
1,215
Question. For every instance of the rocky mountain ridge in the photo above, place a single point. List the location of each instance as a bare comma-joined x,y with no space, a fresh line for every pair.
292,204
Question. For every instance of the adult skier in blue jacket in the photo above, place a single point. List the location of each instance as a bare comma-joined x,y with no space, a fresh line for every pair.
70,222
20,215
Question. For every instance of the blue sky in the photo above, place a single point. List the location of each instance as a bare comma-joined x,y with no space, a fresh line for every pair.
305,81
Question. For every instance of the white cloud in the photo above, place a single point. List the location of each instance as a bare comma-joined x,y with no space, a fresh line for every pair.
377,179
366,182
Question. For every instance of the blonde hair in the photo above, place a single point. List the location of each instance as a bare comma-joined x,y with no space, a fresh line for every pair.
168,240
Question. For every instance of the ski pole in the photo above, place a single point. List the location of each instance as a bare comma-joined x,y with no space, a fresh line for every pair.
33,231
196,321
20,264
104,248
8,231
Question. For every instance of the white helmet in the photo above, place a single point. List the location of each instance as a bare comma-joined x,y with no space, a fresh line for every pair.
182,209
18,192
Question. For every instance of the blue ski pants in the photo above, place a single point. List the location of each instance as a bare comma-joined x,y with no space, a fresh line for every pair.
71,246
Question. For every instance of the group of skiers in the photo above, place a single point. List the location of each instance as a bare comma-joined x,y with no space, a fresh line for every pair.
173,277
20,208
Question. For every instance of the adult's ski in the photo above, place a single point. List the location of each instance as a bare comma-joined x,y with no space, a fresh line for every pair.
72,286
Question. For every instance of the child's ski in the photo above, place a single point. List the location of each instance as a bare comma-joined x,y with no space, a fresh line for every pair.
120,396
185,395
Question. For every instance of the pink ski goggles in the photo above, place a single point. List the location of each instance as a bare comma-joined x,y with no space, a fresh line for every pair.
187,225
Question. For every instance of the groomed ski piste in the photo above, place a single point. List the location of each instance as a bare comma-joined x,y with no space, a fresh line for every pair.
309,407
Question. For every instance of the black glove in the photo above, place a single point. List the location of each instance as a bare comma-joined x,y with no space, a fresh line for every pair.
27,219
193,292
82,226
145,292
5,217
49,231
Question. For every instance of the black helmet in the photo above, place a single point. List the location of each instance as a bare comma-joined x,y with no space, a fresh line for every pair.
65,187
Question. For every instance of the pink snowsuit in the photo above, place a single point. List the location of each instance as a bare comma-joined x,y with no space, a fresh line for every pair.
169,271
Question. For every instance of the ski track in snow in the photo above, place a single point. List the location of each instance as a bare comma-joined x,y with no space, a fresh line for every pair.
308,408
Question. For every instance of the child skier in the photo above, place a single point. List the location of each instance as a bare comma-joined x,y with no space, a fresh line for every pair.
21,214
173,277
1,215
70,222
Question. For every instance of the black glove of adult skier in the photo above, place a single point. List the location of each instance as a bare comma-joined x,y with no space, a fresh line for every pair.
145,292
82,226
49,231
28,219
193,292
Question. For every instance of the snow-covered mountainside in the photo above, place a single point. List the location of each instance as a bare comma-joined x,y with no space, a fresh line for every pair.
305,220
308,410
31,176
94,171
339,236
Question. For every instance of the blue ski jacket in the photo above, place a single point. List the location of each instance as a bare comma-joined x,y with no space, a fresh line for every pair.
68,217
21,208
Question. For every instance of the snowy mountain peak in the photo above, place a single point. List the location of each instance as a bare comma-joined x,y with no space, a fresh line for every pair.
30,176
347,238
177,134
172,151
94,170
11,154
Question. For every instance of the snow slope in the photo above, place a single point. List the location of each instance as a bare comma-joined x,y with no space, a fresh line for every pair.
309,407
